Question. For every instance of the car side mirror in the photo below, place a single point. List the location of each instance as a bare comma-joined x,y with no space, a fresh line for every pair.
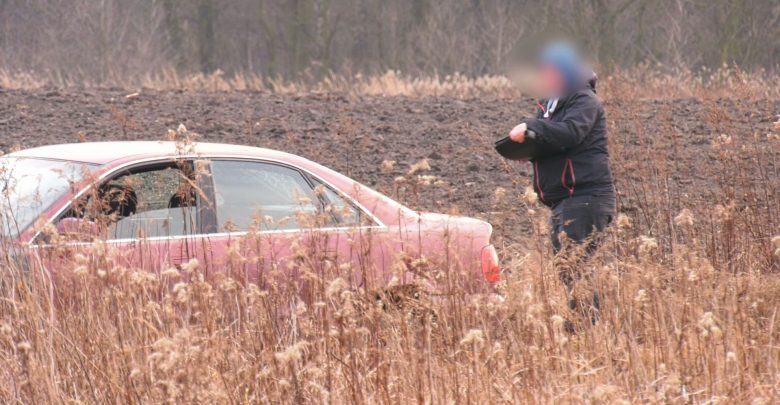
78,229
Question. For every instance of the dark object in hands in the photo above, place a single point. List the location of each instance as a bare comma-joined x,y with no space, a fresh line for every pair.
512,150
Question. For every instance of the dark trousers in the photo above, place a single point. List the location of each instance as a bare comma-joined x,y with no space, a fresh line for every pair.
582,219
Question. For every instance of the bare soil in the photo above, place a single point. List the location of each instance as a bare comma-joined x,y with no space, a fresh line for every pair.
668,140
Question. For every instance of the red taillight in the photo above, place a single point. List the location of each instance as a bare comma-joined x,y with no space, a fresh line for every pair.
490,266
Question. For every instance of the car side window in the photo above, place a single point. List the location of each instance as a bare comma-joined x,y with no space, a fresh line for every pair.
157,202
262,196
165,205
343,212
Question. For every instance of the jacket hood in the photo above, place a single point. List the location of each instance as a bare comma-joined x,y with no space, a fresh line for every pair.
594,78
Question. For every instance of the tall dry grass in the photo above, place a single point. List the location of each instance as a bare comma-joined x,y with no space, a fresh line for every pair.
674,328
689,314
391,83
643,81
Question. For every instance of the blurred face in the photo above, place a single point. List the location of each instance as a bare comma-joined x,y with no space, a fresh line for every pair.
551,81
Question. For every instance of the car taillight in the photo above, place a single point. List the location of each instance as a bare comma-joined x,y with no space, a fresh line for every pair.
490,266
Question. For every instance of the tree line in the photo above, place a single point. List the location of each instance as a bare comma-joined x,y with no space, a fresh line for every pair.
111,40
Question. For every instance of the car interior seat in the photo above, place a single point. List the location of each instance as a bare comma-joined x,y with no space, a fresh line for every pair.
119,199
183,198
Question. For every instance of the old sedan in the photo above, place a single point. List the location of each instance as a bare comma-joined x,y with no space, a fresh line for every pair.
228,206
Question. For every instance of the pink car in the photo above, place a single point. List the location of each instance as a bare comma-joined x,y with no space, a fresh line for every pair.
229,206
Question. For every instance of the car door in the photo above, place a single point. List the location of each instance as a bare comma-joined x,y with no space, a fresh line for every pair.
165,226
152,213
281,228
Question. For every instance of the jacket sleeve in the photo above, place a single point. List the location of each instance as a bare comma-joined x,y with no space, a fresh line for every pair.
579,116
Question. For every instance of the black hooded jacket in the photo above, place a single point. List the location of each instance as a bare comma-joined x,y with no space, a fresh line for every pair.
573,159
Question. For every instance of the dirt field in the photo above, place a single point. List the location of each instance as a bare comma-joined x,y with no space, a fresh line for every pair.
355,136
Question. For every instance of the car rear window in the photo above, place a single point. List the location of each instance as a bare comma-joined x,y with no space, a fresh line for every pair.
261,195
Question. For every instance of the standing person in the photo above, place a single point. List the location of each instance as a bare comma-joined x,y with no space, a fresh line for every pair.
572,175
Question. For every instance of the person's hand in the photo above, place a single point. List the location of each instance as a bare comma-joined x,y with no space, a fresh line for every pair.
517,133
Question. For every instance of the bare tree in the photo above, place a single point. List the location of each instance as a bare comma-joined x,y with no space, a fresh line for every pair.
117,40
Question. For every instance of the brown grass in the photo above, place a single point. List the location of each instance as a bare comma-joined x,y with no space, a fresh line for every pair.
644,81
689,315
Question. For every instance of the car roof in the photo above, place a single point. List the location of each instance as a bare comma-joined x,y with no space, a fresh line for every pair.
102,153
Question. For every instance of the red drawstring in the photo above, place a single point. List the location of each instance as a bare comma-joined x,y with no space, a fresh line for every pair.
569,166
538,185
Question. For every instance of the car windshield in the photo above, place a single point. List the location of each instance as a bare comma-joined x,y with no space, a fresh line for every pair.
29,186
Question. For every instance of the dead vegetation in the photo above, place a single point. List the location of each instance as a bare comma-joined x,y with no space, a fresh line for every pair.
644,81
